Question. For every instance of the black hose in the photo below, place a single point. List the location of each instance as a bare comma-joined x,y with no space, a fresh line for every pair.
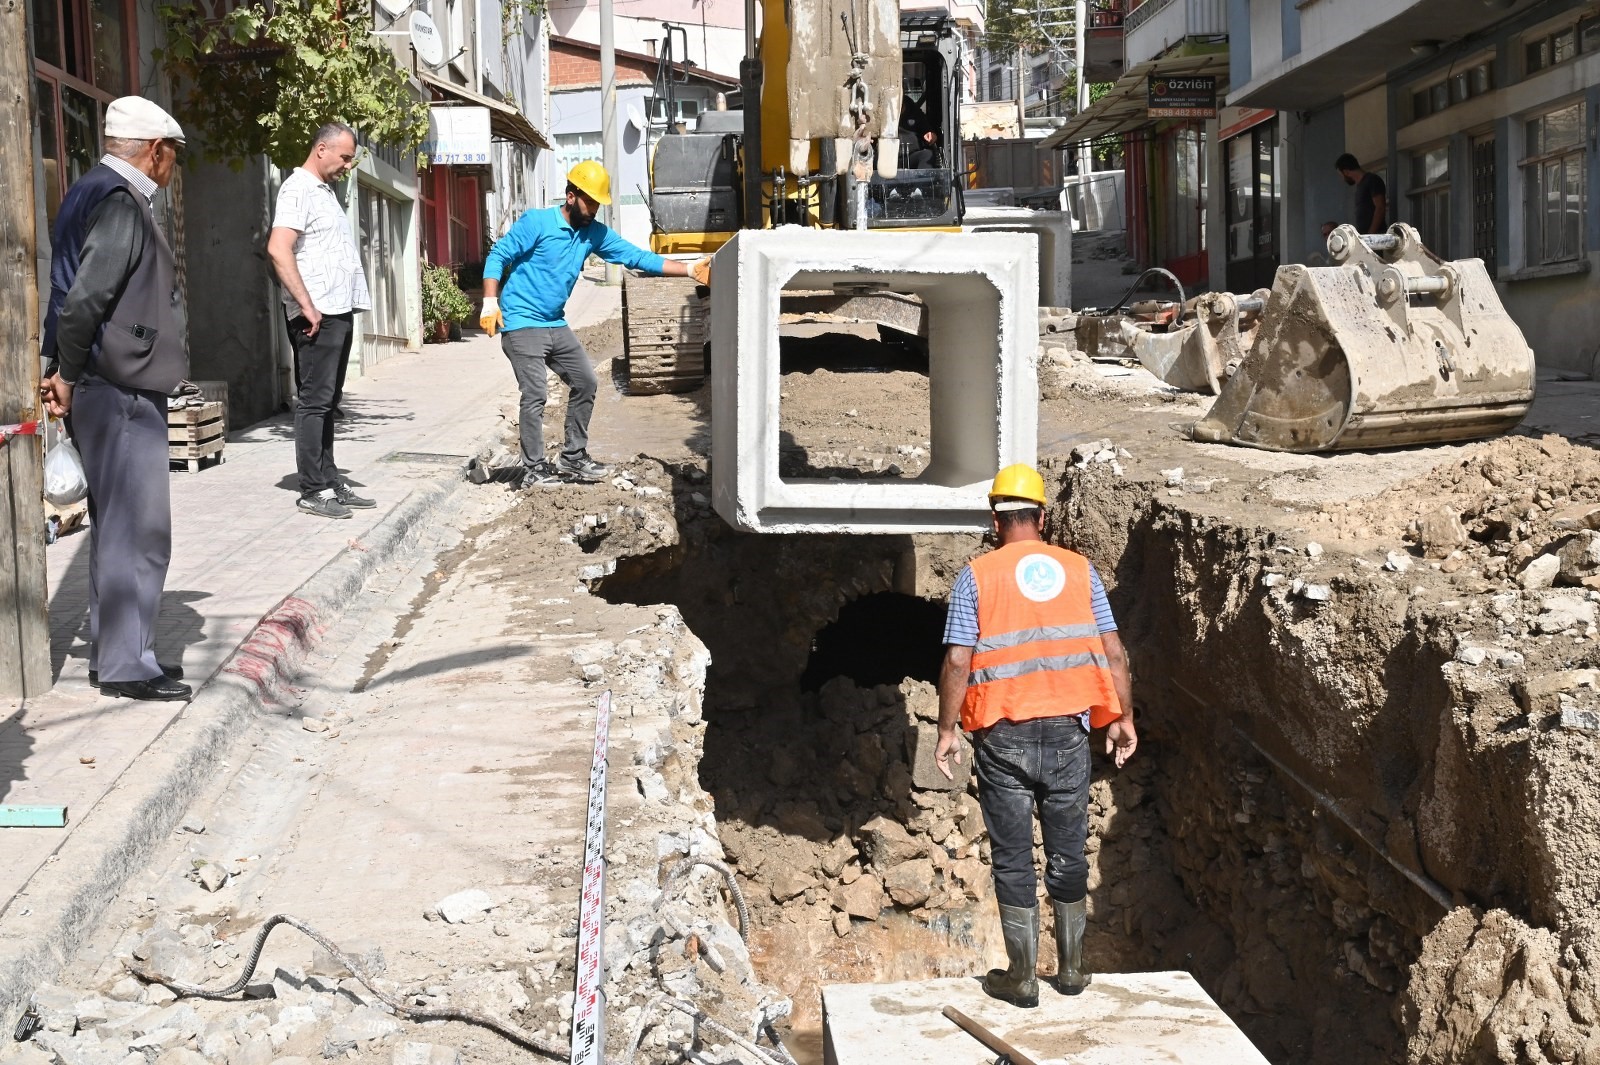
1182,300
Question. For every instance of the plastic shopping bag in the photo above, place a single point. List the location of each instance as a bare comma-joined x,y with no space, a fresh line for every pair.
64,480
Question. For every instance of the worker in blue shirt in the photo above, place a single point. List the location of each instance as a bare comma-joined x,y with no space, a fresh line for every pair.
533,268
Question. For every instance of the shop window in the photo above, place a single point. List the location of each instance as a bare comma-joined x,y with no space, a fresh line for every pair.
1430,198
1555,176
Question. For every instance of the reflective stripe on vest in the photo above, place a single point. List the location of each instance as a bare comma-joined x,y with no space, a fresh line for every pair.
1039,651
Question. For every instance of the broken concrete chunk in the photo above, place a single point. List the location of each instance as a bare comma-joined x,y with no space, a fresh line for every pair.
1397,561
922,743
887,843
1540,572
212,876
425,1054
1440,532
863,898
364,1025
910,884
1174,477
1313,549
465,907
1315,593
1509,660
1540,695
1564,613
1587,720
1468,655
1579,557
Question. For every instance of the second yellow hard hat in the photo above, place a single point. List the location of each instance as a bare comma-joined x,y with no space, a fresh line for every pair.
592,180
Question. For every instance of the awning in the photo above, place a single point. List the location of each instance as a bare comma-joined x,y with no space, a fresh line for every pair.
506,123
1126,107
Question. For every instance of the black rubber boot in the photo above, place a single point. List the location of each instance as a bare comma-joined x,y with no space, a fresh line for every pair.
1071,917
1018,984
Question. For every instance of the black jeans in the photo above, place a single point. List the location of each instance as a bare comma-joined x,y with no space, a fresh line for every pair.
1045,762
320,363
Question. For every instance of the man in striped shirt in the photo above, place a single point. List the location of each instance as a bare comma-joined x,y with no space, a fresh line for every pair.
1032,664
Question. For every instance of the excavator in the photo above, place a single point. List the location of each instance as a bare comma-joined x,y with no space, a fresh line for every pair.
850,118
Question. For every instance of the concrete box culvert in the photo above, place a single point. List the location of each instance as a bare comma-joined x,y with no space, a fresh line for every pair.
982,294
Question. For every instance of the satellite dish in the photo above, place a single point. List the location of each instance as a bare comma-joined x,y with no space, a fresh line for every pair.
395,8
425,39
636,115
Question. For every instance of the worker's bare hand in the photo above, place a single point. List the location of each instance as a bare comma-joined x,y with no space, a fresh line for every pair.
1122,740
313,319
701,270
929,137
949,747
57,395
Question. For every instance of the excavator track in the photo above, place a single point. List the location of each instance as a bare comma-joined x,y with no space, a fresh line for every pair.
666,324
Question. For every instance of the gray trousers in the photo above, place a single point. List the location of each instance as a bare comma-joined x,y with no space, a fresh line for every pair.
122,435
529,351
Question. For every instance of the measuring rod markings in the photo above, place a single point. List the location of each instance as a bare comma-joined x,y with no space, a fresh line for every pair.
589,1007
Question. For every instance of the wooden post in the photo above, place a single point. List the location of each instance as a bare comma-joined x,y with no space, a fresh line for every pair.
24,622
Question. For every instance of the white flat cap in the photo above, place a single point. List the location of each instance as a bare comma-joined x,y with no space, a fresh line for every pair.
137,119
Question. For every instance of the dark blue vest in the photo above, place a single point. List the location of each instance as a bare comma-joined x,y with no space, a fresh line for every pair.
66,240
140,343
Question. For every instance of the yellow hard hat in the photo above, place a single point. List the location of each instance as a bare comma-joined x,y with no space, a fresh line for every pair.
1019,481
592,180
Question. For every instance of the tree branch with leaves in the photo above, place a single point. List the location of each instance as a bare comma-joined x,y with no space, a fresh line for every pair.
265,77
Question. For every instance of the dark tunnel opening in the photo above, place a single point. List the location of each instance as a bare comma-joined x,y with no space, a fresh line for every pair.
881,638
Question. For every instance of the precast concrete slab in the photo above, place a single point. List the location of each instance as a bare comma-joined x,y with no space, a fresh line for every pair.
1121,1019
982,298
1054,229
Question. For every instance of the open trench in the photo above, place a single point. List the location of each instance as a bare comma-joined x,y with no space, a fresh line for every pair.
1206,856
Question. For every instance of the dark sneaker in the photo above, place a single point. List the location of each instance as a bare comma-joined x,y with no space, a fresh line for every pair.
539,475
323,504
347,495
583,470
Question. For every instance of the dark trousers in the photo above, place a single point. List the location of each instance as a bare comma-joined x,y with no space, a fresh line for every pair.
320,363
1043,763
530,351
122,435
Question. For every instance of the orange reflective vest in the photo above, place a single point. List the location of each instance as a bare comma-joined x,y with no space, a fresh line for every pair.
1039,652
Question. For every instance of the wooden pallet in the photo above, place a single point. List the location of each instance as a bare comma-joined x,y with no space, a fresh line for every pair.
666,326
195,434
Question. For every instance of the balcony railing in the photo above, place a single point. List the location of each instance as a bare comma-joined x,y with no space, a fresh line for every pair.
1106,15
1144,12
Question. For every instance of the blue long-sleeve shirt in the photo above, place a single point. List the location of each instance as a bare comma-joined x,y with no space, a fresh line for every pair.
539,261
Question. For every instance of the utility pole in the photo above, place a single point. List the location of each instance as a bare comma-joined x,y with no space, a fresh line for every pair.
608,123
1081,31
24,618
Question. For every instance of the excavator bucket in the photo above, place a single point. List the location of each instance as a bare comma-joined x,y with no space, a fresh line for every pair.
1388,348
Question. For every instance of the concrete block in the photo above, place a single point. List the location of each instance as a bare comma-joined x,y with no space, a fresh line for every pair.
1054,230
981,290
1132,1017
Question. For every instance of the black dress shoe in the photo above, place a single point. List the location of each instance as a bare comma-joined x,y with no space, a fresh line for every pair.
162,689
172,672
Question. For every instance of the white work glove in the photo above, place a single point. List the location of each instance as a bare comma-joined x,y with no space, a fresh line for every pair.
489,318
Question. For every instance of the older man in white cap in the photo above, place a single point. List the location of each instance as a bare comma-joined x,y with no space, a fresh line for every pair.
113,334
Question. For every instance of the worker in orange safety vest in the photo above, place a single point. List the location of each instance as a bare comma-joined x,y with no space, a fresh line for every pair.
1033,663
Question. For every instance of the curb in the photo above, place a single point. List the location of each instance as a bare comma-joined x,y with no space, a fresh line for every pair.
140,811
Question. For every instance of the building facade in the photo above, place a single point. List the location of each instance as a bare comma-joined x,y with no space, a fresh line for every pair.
1478,117
641,117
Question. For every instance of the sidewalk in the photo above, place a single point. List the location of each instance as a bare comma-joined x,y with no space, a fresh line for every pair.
239,548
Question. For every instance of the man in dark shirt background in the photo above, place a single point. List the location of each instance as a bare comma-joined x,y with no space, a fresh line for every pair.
1372,215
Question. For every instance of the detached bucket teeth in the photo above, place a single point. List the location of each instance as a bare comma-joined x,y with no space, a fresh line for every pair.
1389,348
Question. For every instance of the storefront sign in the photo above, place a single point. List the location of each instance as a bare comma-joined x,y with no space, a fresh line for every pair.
1183,96
457,136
